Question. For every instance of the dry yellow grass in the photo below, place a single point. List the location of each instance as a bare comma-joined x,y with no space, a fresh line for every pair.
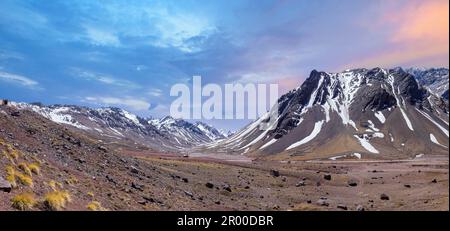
13,153
34,168
24,201
90,194
54,185
72,180
306,207
5,153
56,200
95,206
24,179
11,176
24,167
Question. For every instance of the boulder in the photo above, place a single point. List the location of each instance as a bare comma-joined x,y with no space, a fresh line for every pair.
134,170
353,183
323,202
137,186
209,185
103,148
384,197
300,183
5,186
227,187
274,173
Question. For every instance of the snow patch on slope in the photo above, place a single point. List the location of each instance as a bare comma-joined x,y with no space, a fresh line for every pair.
445,131
380,116
405,117
364,141
314,133
434,140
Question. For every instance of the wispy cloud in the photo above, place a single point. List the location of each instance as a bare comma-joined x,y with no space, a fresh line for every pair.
6,55
18,79
102,37
102,78
132,103
155,92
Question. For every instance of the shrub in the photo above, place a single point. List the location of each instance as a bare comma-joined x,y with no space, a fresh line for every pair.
24,201
95,206
90,194
34,168
11,176
72,180
54,185
24,167
56,200
13,153
24,179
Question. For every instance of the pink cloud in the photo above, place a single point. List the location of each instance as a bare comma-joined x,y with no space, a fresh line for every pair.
418,36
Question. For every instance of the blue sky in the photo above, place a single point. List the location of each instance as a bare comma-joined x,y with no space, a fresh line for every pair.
129,53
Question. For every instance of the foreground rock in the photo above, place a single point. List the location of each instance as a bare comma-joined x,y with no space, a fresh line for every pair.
352,183
384,197
274,173
5,186
323,202
209,185
300,183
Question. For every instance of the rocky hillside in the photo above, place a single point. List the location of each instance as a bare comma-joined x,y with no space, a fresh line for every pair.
120,126
49,166
359,113
434,79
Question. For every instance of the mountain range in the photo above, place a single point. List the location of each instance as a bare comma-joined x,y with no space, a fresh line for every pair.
374,113
120,126
360,113
65,157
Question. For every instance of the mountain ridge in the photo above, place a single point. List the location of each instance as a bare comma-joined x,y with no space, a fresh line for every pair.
357,108
113,123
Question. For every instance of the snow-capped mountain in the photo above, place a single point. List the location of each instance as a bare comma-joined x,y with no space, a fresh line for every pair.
120,125
434,79
186,133
210,131
377,112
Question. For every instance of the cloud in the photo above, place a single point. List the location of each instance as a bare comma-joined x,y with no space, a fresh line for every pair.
155,92
141,67
135,104
101,37
6,55
18,79
418,34
102,78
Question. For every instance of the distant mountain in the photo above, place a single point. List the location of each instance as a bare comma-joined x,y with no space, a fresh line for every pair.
115,124
434,79
375,113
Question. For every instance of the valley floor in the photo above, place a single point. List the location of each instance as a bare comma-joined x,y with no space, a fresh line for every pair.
240,184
